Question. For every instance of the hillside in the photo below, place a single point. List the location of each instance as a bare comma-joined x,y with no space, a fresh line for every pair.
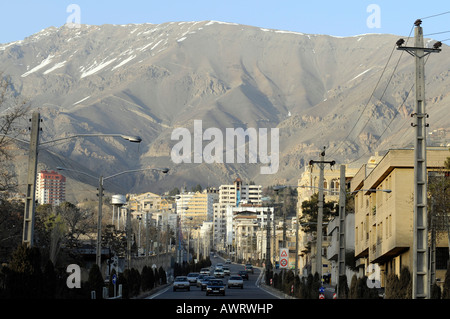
148,80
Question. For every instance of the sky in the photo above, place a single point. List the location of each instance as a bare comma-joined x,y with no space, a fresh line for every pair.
22,18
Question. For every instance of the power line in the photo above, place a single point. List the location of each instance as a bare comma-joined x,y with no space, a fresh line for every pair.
373,92
435,15
392,120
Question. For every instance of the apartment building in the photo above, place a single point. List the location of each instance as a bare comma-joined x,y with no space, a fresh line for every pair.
195,208
232,195
384,220
50,188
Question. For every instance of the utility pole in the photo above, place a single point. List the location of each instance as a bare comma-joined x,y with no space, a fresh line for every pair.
341,229
99,223
268,264
30,205
420,231
321,163
128,229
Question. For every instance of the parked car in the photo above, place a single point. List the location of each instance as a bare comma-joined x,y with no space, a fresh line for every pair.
243,274
235,281
219,273
192,277
181,282
205,282
215,286
249,268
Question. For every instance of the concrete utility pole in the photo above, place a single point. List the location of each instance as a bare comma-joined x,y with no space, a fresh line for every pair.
321,163
341,229
98,256
268,264
30,205
420,231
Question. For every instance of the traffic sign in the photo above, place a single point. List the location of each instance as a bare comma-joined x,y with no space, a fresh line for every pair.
322,290
284,257
114,279
334,296
321,296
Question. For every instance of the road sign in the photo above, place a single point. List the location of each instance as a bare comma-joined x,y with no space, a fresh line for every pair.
114,279
334,296
284,257
321,296
322,290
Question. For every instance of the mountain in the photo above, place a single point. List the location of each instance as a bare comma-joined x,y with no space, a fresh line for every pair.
148,80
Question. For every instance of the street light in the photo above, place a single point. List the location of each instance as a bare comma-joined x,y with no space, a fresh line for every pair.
101,179
132,139
30,193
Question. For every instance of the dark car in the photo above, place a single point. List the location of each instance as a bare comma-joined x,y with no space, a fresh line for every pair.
205,282
243,274
215,287
249,268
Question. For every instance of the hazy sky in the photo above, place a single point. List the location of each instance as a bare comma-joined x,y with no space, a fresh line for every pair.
22,18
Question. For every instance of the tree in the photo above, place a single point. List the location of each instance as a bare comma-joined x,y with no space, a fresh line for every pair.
310,209
95,281
12,109
446,290
49,280
24,280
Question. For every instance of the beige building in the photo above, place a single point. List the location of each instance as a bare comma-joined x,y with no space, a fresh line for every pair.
384,221
195,208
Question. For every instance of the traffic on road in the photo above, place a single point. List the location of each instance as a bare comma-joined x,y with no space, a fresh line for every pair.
224,279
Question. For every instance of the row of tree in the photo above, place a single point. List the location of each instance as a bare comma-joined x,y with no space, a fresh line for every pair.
28,277
396,287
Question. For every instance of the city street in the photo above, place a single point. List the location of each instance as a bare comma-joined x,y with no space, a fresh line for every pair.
251,288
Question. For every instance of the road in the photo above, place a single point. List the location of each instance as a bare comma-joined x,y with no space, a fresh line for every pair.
251,288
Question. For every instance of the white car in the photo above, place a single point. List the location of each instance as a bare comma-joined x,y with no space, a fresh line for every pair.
192,278
218,273
181,282
204,271
226,271
236,281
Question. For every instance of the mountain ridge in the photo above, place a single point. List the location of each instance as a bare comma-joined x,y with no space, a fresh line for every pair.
149,79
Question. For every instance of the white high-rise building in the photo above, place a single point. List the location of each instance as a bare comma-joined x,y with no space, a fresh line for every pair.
50,188
232,196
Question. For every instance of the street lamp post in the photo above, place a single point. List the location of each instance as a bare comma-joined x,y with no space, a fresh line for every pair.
30,205
100,202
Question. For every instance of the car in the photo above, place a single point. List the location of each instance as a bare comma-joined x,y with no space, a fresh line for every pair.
228,261
205,282
243,274
215,286
236,281
181,282
219,273
226,271
192,277
199,279
249,268
219,265
204,271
